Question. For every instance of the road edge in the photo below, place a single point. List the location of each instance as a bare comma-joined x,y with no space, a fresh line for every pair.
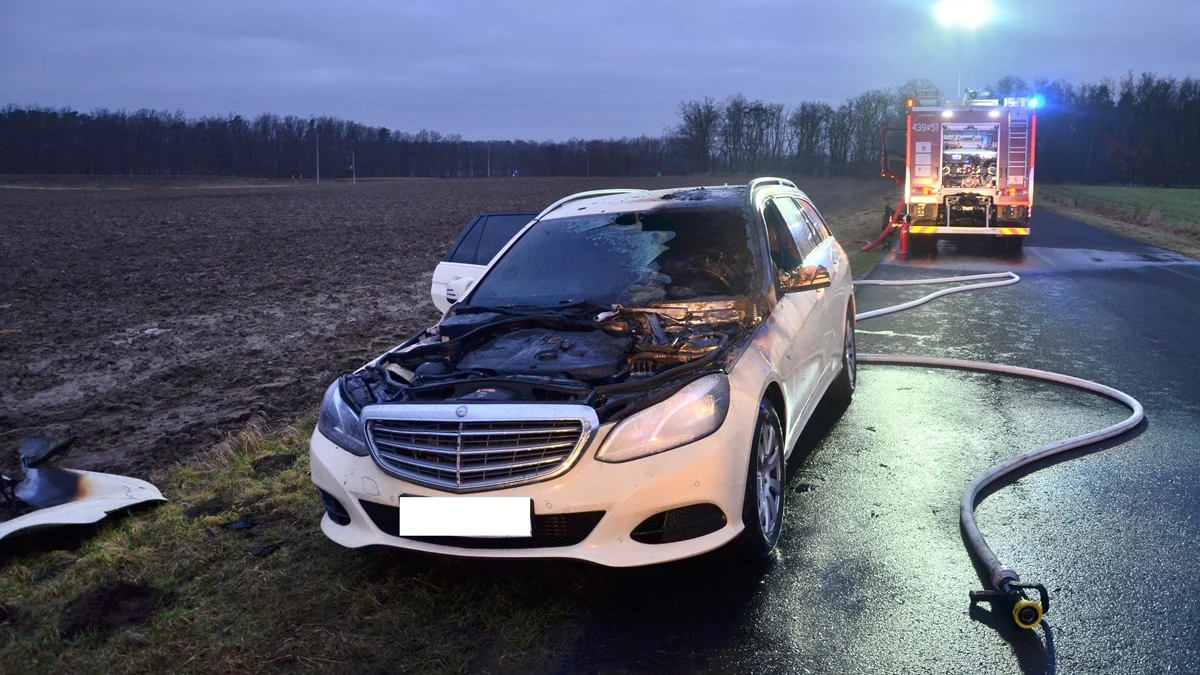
1187,246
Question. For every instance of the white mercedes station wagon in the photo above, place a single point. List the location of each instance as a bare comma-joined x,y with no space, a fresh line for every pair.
622,383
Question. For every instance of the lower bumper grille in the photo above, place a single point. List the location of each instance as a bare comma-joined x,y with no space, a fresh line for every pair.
549,531
679,524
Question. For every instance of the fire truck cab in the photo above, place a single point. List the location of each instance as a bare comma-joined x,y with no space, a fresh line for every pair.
967,168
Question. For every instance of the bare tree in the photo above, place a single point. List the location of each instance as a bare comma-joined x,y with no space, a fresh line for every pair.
809,127
699,122
733,132
1141,129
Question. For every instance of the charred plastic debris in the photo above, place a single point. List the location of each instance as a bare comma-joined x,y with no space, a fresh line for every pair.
670,294
47,496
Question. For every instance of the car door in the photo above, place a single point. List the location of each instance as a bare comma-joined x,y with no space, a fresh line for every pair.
829,254
794,315
466,260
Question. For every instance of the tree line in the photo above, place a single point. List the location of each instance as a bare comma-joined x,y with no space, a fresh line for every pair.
1139,129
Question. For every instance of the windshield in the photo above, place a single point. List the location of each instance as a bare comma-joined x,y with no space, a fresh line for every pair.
626,259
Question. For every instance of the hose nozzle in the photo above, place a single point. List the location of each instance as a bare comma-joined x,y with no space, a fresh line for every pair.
1026,613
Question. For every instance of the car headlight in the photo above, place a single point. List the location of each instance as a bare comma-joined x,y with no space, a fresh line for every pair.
338,422
692,413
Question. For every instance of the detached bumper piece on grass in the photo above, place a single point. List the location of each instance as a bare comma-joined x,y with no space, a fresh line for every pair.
50,497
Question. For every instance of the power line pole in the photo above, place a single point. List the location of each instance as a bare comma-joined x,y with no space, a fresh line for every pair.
960,64
489,161
353,169
318,158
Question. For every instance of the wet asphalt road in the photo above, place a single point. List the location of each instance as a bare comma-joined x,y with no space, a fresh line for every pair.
872,575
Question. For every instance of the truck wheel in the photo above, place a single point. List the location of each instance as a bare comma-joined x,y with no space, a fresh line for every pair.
762,508
1012,245
922,246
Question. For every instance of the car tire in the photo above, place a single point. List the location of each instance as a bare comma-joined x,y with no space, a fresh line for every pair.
763,506
842,388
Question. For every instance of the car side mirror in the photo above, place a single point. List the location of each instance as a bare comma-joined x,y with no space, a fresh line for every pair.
456,289
806,278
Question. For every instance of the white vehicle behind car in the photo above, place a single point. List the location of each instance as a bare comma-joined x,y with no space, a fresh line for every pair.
620,382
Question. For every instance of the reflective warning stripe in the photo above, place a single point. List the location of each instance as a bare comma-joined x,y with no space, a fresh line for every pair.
934,229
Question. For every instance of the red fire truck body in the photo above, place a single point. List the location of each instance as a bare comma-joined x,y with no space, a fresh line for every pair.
969,170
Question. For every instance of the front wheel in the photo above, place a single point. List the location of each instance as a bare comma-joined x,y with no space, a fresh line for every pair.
762,508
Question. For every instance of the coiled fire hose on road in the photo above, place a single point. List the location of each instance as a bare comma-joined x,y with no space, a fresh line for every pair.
1006,584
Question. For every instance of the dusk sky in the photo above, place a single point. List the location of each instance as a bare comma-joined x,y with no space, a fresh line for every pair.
496,69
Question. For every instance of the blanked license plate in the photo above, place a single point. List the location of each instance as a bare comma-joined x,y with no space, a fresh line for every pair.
466,517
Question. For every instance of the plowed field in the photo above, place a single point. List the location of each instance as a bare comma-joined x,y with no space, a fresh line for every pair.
149,322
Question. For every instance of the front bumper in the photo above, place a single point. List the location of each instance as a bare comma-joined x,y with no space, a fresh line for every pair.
709,471
988,231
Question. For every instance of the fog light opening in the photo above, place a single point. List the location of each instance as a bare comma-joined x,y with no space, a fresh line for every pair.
337,512
688,522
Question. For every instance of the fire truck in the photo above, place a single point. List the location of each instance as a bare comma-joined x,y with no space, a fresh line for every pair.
967,168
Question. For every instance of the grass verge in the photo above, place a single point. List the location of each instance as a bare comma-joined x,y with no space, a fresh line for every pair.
309,604
854,231
1165,217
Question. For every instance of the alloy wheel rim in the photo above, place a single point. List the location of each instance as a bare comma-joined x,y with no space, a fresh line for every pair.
851,355
770,479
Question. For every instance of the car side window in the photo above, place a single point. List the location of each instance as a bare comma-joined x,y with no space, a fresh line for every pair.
797,223
779,237
497,232
815,216
465,248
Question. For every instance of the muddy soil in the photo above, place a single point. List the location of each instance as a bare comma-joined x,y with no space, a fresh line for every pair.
150,322
108,608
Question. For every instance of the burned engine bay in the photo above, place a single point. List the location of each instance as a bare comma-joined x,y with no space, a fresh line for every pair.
683,301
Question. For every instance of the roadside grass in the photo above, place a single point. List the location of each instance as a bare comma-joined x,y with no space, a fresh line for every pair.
310,604
1165,217
854,231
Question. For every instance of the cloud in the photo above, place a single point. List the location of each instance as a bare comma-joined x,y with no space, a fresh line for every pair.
501,69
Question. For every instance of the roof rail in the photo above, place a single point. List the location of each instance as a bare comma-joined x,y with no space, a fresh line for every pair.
760,182
585,195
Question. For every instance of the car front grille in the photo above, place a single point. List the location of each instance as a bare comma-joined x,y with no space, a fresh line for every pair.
468,456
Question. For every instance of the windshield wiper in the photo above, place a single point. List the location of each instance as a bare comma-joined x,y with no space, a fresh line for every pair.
570,308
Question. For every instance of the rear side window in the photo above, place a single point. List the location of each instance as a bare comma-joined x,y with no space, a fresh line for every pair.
464,249
485,236
817,220
497,231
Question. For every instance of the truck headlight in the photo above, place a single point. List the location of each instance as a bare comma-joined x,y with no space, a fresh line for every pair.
692,413
338,422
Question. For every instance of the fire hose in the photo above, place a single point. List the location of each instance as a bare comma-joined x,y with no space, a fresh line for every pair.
887,229
1006,584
